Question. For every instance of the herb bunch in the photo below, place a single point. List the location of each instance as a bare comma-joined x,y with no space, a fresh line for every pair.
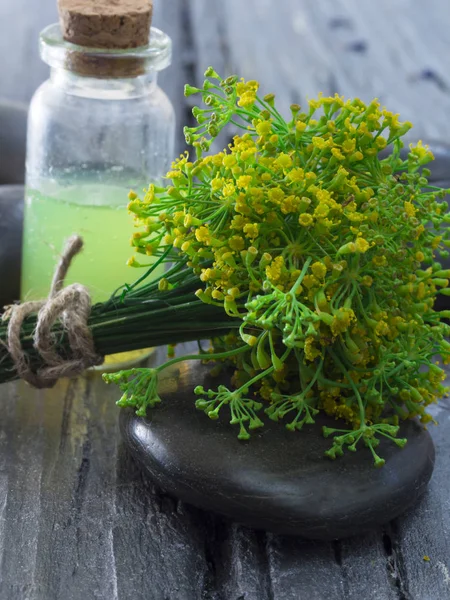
324,252
315,243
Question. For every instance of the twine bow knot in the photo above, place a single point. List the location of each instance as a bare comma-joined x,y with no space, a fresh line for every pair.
70,305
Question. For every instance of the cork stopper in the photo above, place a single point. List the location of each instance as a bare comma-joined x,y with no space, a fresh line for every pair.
109,24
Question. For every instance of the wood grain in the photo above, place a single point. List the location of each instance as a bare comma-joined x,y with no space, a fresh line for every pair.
77,519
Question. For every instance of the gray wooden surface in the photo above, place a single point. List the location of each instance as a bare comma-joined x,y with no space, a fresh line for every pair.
77,519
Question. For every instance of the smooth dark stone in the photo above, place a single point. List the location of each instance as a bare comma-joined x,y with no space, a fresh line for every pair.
13,133
11,219
279,480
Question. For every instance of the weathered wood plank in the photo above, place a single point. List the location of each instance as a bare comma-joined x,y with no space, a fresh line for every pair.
79,521
239,560
390,50
425,530
303,570
368,570
24,467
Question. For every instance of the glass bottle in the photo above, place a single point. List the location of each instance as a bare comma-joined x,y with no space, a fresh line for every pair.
97,128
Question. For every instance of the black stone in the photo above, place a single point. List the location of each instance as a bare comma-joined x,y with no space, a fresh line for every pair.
279,480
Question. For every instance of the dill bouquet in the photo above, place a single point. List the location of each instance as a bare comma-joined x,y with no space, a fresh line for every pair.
308,258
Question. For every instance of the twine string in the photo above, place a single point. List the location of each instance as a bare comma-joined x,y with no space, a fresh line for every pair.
71,306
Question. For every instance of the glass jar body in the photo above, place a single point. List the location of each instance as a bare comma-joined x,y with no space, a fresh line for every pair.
89,142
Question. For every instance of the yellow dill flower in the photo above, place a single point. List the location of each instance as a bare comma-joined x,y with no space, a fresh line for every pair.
300,126
421,291
248,153
217,159
217,184
435,243
290,204
174,175
320,143
349,146
337,154
321,211
344,412
420,230
203,235
382,328
150,194
421,152
305,219
329,404
419,256
324,196
276,195
264,128
319,269
228,190
274,270
244,181
247,99
296,175
284,161
342,320
367,280
238,222
379,261
315,104
361,245
246,86
236,242
208,274
256,193
409,209
251,230
381,142
228,161
310,281
328,223
266,390
233,292
241,205
311,350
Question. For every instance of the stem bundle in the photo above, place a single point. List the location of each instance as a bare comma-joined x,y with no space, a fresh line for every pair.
135,317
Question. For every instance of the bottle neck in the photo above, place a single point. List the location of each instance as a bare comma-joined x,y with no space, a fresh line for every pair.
103,88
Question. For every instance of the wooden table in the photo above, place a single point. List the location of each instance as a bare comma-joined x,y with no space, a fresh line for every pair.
77,519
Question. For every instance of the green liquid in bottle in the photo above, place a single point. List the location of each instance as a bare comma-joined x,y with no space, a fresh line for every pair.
98,214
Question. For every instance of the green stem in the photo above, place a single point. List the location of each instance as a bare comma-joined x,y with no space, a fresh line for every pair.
268,371
203,357
302,275
362,413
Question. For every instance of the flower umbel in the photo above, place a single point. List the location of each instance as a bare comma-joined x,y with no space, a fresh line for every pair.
323,254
